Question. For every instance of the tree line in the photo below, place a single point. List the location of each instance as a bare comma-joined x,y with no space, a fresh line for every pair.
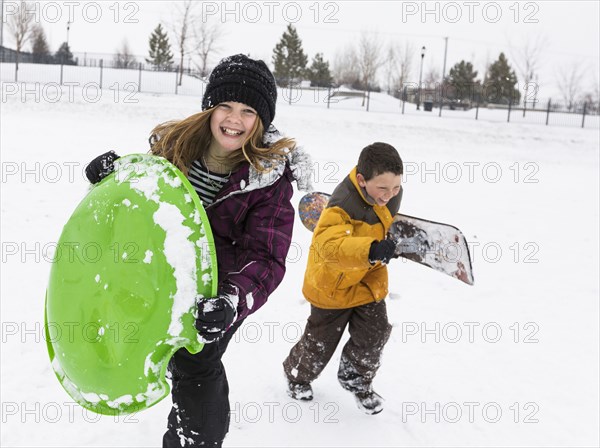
368,62
358,67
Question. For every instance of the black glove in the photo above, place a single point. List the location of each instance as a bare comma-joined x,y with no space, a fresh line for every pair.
215,316
382,251
101,167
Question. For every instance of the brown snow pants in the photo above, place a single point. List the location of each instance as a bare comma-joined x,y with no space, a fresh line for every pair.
361,357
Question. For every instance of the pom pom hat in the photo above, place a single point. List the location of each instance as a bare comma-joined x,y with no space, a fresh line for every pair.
241,79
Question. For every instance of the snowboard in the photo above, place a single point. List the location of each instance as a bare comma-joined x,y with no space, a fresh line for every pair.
439,246
120,300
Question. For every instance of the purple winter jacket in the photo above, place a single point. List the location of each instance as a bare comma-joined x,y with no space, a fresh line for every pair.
252,220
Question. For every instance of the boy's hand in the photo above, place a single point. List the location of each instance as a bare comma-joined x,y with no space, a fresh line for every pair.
101,167
382,251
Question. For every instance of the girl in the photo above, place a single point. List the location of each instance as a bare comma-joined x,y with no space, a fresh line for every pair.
242,169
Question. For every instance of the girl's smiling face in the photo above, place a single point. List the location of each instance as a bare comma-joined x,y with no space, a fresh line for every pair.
231,123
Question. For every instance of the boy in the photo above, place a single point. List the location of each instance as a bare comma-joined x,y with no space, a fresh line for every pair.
346,280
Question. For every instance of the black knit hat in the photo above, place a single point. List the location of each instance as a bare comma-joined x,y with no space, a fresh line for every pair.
241,79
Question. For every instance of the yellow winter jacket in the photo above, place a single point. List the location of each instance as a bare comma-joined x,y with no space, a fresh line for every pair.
338,274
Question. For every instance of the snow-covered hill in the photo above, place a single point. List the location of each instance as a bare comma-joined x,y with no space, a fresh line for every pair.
511,361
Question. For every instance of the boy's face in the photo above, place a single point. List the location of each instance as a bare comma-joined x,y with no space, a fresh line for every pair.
382,187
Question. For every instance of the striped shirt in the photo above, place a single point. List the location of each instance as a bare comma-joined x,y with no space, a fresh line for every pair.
206,184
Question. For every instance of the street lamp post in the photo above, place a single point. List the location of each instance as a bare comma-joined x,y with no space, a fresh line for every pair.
2,23
2,31
65,54
68,28
420,77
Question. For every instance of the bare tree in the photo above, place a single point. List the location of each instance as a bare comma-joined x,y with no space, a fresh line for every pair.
369,58
569,83
124,57
432,78
596,92
389,65
19,27
592,96
486,65
181,27
403,64
206,36
345,66
528,57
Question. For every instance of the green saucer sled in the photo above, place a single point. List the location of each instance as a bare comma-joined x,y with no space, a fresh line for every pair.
129,263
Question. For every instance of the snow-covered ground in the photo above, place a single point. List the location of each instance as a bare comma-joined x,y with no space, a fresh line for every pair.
511,361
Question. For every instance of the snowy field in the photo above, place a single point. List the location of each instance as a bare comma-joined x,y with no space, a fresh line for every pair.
510,361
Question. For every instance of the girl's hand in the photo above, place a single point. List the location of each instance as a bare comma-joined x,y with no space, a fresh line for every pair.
215,316
101,167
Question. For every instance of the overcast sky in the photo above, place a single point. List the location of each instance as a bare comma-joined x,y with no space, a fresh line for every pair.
477,31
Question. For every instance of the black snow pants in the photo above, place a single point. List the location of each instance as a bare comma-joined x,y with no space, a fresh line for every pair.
200,413
361,357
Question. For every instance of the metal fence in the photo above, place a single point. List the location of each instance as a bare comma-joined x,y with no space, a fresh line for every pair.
105,70
541,111
95,70
106,75
107,60
554,113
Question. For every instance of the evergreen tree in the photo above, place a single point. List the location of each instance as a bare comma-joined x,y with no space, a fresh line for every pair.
500,82
319,73
462,81
39,47
289,58
159,54
64,55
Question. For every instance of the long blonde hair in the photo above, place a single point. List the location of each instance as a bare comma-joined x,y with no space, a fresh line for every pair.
183,141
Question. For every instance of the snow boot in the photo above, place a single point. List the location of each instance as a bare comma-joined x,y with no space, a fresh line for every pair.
370,402
300,391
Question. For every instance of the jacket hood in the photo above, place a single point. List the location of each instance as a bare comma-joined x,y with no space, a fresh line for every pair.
362,191
298,160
